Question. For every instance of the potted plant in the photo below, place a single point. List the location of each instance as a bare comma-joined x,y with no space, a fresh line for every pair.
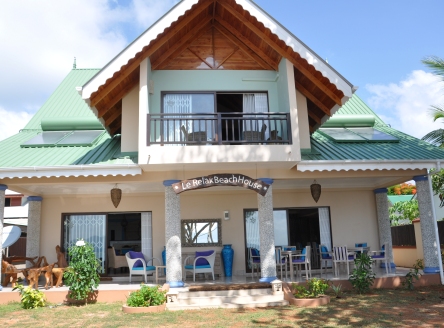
146,299
82,274
311,296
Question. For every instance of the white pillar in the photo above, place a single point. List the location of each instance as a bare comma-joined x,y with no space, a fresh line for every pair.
172,236
385,232
33,235
266,234
431,247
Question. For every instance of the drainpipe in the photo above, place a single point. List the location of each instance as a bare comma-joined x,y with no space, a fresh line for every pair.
441,274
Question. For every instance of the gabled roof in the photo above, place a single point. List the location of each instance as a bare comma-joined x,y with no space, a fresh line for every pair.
250,32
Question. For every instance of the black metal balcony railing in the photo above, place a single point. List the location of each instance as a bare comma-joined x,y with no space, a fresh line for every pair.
218,129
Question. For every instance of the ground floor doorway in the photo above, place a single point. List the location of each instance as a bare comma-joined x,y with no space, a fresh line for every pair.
115,232
299,227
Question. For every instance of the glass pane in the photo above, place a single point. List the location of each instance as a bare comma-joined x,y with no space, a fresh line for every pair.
46,138
341,134
81,138
280,228
372,134
205,232
90,228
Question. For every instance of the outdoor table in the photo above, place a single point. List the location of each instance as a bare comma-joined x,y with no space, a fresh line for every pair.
160,268
289,255
359,250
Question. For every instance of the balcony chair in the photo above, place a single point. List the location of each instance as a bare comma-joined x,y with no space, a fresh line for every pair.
303,259
341,255
324,256
254,259
116,261
139,266
281,261
203,262
382,256
255,135
197,137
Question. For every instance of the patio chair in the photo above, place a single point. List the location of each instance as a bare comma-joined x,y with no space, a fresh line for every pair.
116,261
138,266
303,259
254,259
203,262
255,135
281,261
341,255
382,256
197,137
324,256
364,248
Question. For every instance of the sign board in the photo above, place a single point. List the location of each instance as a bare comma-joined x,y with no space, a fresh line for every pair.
10,235
223,179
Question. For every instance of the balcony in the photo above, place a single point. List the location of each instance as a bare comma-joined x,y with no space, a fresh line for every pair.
190,129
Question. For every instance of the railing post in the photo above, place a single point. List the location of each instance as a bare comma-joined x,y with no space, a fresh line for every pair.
148,129
289,134
219,128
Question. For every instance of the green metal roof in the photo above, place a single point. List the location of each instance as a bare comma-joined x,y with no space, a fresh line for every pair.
399,198
408,147
65,101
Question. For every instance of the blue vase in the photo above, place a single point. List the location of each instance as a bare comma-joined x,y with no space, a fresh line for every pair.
164,252
227,258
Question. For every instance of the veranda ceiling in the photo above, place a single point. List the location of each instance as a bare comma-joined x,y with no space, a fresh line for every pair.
218,34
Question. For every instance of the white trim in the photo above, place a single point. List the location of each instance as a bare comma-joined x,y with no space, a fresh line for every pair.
173,15
349,165
70,170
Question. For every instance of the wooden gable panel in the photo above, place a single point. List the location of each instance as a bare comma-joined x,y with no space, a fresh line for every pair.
239,60
187,61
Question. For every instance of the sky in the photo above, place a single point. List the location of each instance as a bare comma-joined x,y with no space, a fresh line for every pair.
377,45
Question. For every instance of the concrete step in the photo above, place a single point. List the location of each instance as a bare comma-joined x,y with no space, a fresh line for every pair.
226,299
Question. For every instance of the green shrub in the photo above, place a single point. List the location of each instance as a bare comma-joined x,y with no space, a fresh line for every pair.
82,275
362,276
413,275
315,288
30,298
146,296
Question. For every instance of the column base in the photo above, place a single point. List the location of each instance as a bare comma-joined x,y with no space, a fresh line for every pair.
431,270
267,279
392,265
175,284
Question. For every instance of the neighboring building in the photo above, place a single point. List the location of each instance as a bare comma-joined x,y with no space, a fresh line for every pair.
213,89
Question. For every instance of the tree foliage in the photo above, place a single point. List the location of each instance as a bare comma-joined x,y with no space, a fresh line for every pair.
436,137
404,210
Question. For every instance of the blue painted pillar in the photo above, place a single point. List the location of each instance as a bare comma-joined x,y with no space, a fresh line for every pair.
385,232
430,245
172,236
266,234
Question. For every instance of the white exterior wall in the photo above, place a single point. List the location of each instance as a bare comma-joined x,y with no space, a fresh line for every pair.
130,121
353,215
304,129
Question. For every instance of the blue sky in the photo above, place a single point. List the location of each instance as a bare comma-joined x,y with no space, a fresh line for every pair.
377,45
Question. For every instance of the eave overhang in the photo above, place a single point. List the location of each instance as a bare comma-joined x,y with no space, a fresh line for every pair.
372,165
70,171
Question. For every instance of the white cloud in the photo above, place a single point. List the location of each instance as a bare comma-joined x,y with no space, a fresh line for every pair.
12,122
406,105
40,39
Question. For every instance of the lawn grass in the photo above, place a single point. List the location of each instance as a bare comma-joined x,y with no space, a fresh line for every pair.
381,308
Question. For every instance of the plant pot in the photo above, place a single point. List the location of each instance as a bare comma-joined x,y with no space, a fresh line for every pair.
143,309
311,302
227,257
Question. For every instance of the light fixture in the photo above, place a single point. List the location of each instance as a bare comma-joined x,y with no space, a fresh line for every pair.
315,191
116,195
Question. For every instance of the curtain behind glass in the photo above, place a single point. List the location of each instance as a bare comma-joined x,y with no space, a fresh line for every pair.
147,236
255,103
176,103
90,228
324,228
